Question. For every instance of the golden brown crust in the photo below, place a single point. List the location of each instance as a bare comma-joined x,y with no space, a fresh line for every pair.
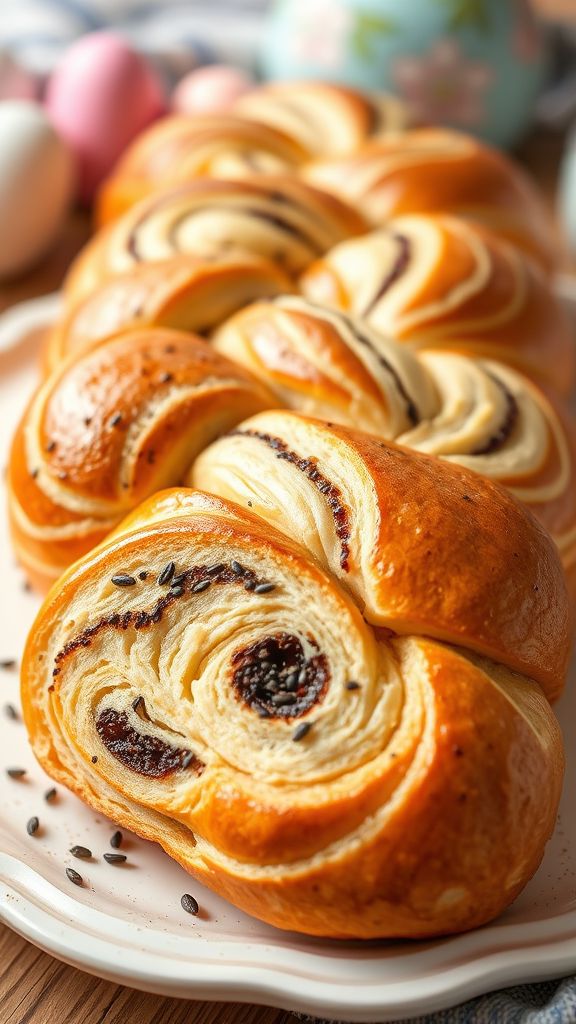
429,825
109,426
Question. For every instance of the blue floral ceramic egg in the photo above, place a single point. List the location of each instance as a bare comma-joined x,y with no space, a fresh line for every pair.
476,65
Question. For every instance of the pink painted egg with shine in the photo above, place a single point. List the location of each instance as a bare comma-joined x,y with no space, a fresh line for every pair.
101,95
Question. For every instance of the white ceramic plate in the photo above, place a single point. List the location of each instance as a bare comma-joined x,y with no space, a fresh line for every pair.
127,923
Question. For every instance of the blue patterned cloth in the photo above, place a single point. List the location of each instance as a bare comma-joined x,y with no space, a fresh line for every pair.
551,1002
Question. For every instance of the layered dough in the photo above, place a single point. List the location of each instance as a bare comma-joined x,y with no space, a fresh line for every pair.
283,724
439,281
476,412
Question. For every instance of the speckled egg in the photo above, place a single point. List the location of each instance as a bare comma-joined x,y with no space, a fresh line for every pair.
36,185
100,96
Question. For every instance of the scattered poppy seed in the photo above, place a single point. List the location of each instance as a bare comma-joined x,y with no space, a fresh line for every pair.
177,580
176,591
116,419
32,825
166,378
352,685
51,446
11,712
301,731
87,421
81,851
237,568
264,588
215,570
200,586
122,579
166,574
50,795
16,773
94,759
8,663
189,904
250,585
116,840
187,759
74,876
115,858
34,474
142,575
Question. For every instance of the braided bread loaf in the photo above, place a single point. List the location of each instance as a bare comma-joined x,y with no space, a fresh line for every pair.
321,681
206,680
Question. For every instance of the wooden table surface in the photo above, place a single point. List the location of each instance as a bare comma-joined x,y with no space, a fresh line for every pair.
35,988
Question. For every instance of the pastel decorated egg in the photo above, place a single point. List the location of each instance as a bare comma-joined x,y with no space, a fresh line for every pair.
100,96
36,185
210,89
15,82
475,65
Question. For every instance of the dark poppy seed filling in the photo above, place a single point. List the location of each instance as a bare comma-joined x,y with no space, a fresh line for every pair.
398,267
190,579
499,439
275,679
147,755
331,493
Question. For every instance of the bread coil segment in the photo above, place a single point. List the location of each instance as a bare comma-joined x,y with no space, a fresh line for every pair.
179,149
440,282
280,219
432,170
110,426
478,413
361,506
325,119
393,798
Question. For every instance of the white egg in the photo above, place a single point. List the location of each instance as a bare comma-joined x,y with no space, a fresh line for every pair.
36,185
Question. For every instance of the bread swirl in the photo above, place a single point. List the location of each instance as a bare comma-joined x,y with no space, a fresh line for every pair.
323,773
437,280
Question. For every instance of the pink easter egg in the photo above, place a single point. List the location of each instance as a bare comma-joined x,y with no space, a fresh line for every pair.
99,97
210,89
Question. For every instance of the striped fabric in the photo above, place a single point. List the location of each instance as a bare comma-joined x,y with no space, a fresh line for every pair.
176,35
